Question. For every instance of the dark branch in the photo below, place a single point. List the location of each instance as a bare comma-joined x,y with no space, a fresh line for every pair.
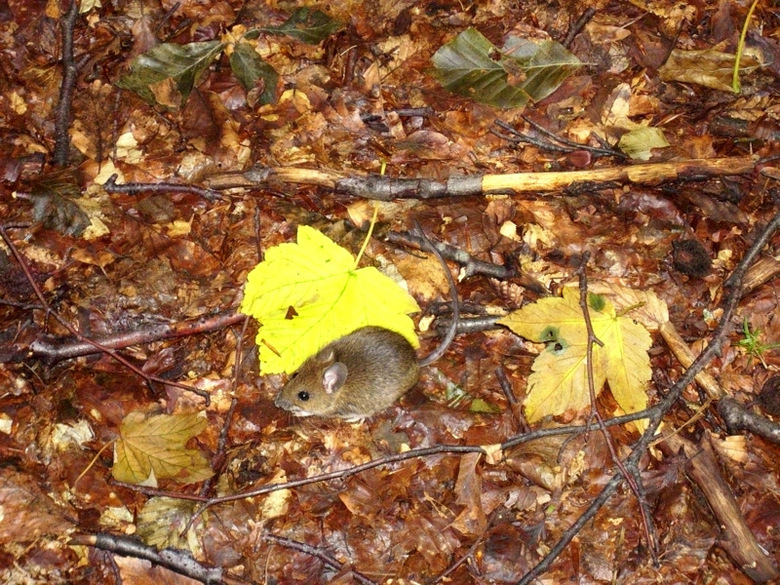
63,114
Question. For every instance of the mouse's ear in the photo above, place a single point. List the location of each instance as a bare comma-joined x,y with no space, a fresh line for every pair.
333,377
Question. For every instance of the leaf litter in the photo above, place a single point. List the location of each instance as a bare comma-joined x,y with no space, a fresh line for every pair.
345,107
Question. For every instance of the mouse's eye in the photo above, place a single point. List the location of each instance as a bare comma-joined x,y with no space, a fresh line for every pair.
303,395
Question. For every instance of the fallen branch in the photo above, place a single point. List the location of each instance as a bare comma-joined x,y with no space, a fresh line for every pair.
72,330
178,561
52,351
384,188
63,115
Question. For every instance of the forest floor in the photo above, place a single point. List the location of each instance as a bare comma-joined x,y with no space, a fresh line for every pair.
153,153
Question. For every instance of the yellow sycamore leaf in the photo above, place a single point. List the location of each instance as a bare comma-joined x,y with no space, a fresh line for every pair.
559,381
307,294
153,447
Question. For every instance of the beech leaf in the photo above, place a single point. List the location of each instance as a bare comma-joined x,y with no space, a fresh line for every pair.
470,65
309,26
248,67
167,73
559,381
307,294
708,67
153,447
640,142
54,206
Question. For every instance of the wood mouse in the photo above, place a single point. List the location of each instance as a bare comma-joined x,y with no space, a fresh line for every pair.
363,372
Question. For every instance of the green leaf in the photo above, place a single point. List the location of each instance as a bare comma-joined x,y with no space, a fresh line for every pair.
472,66
306,25
307,294
546,64
167,73
248,67
54,205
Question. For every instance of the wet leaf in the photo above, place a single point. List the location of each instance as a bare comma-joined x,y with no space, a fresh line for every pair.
470,65
55,208
167,73
153,447
710,68
640,142
559,381
248,68
309,26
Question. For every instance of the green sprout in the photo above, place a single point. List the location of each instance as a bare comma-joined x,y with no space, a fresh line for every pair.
752,345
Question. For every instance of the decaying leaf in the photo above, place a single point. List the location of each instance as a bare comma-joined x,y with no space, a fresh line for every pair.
710,68
559,381
153,447
55,207
524,71
309,26
177,66
248,68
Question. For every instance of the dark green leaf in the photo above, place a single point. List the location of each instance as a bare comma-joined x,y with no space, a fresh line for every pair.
181,66
306,25
472,66
546,64
53,206
248,67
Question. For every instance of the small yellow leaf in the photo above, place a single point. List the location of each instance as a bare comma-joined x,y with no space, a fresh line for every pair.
307,294
151,447
640,142
549,319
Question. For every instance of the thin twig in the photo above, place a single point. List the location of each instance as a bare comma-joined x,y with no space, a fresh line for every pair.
407,455
178,561
633,481
52,351
219,456
111,186
471,265
579,24
317,553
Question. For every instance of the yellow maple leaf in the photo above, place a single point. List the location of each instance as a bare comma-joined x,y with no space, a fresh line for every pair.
559,381
307,294
153,447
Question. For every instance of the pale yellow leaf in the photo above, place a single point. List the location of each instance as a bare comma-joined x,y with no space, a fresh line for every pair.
642,305
559,381
151,447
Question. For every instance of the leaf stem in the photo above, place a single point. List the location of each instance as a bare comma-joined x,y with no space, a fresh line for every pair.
735,85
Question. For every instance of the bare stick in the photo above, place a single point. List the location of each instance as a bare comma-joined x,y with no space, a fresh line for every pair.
111,186
178,561
53,351
63,114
